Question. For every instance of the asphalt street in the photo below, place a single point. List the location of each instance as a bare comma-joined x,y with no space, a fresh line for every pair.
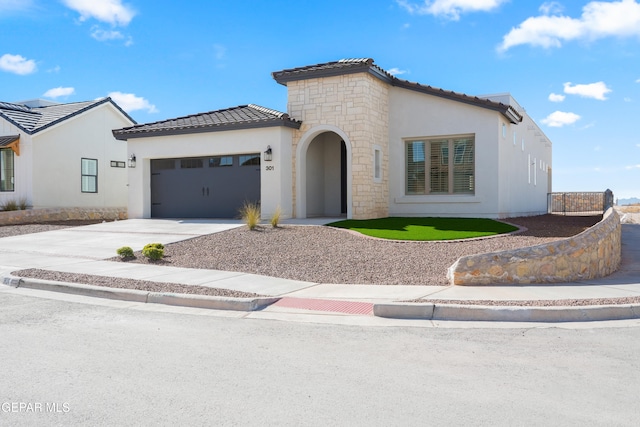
90,364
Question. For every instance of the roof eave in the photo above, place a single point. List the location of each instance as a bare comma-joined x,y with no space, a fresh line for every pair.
283,77
124,134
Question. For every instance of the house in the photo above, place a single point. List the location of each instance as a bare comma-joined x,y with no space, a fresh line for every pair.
63,155
356,141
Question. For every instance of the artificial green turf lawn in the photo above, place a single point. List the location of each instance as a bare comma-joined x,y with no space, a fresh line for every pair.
425,228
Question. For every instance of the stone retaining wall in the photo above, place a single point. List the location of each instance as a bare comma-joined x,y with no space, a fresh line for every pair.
30,216
595,252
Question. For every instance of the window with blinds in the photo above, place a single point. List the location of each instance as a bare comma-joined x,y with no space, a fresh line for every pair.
451,166
415,167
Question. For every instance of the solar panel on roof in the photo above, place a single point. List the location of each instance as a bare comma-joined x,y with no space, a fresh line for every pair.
14,107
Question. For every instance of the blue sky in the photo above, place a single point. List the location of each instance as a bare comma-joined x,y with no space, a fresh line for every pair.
573,65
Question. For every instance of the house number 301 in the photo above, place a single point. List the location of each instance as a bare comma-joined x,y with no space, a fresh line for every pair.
270,168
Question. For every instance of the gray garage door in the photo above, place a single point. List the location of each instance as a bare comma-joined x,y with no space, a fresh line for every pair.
204,187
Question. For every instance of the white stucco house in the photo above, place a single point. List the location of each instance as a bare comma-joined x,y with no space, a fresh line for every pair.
355,141
63,155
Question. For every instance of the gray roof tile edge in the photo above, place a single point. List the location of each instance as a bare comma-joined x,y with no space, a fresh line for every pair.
359,65
143,130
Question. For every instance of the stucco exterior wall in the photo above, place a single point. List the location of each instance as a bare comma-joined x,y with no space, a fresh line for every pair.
23,171
57,154
275,176
525,161
414,115
357,105
502,187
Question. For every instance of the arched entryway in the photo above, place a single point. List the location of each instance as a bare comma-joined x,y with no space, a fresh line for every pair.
323,173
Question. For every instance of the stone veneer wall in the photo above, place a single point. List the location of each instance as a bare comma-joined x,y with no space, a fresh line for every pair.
358,104
595,252
31,216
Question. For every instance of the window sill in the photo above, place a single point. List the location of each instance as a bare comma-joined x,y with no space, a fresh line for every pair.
452,198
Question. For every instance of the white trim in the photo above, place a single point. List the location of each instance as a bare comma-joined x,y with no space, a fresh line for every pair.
301,167
377,164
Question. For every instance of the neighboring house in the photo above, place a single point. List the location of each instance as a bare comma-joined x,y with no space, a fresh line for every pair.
356,142
63,155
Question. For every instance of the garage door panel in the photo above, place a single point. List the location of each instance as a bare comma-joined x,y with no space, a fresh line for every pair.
211,191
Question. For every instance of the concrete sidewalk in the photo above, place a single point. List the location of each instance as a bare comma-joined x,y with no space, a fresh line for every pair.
82,250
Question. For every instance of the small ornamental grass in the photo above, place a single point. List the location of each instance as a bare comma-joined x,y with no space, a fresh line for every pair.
14,205
153,251
9,205
275,218
250,214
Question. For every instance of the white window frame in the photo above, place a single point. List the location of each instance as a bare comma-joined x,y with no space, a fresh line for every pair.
86,175
451,158
377,164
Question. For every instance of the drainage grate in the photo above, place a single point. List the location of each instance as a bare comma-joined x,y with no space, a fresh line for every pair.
348,307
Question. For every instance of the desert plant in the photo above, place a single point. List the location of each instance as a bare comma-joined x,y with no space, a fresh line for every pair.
275,218
250,214
153,245
22,203
153,251
9,205
125,252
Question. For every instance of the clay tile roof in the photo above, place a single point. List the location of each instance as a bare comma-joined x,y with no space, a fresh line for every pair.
366,65
241,117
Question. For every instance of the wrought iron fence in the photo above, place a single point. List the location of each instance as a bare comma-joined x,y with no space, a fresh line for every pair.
579,203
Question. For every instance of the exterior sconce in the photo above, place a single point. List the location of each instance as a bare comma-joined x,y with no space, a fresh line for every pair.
132,161
268,155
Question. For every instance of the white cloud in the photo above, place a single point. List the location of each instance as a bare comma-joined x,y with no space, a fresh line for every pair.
104,35
598,20
17,64
638,81
397,71
55,69
57,92
551,8
15,5
555,97
451,9
560,118
110,11
596,90
130,102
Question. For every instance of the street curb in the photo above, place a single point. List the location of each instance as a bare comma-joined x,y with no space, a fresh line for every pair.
478,313
134,295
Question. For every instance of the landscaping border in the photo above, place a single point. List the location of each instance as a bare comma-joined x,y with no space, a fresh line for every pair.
596,252
31,216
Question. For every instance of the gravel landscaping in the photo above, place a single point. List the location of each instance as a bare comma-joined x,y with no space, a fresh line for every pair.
323,254
326,255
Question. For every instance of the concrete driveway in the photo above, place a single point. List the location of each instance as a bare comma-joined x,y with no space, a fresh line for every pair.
100,241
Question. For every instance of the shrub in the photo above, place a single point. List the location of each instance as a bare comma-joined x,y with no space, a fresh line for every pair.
275,218
9,205
153,251
125,252
250,214
153,245
22,203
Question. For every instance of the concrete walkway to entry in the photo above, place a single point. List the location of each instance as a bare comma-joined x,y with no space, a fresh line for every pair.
83,250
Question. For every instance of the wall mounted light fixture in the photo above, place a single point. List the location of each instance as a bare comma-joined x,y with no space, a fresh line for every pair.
132,161
268,155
